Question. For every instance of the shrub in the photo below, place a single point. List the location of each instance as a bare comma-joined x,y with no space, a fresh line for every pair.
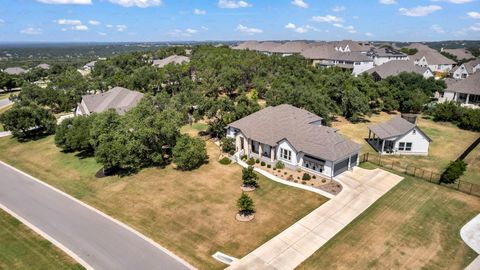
244,157
257,161
285,173
227,144
262,163
290,177
225,161
251,161
245,204
296,181
269,166
314,177
249,177
73,134
323,180
274,168
304,183
454,170
279,165
306,177
189,153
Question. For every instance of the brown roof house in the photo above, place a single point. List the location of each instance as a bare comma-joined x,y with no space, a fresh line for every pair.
172,59
466,92
398,136
291,47
118,98
396,67
296,137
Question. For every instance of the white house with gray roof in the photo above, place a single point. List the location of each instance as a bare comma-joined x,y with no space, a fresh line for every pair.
118,98
393,68
434,60
398,136
172,59
296,137
465,69
466,91
383,55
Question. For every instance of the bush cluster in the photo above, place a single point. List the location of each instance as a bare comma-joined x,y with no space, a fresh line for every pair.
225,161
454,170
465,118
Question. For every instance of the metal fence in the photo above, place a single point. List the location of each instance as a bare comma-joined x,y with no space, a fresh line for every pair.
427,175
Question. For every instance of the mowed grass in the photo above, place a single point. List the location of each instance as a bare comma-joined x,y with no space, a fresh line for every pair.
21,248
416,225
2,110
448,141
190,213
472,174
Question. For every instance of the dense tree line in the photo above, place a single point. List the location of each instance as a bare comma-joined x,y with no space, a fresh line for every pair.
466,118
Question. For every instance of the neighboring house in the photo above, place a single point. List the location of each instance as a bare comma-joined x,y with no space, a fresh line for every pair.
43,66
351,46
266,47
461,54
398,136
172,59
296,137
14,71
465,69
247,45
381,56
466,91
434,60
290,48
89,66
396,67
118,98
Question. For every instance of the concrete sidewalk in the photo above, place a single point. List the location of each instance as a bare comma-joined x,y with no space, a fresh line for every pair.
470,234
361,188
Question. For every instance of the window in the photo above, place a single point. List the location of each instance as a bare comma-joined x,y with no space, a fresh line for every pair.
285,154
414,131
408,147
403,146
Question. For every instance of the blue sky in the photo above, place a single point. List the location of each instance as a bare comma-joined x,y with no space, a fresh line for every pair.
174,20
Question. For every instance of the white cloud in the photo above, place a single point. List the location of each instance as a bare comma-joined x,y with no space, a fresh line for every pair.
109,26
419,11
93,22
121,27
300,29
299,3
63,29
68,22
454,1
80,27
290,26
247,30
31,31
368,34
328,19
475,27
137,3
183,33
309,27
356,17
233,4
199,11
388,2
191,31
437,29
66,2
102,34
338,8
349,28
204,28
474,14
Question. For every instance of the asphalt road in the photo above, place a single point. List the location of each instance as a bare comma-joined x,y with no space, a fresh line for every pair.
5,102
97,240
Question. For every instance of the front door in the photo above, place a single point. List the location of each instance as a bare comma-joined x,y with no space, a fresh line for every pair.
241,144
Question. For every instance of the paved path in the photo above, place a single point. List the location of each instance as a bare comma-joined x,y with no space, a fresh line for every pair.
4,102
89,236
470,234
361,188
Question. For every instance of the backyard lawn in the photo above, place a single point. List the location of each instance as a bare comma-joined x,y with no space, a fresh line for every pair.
448,142
472,174
416,225
21,248
190,213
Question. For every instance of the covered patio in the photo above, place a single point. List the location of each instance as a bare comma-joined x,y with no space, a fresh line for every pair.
381,145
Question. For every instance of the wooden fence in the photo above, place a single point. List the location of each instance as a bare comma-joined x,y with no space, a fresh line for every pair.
427,175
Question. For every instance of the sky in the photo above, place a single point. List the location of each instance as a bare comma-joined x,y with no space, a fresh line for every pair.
203,20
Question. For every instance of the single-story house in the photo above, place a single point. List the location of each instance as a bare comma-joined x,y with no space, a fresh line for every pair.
383,55
89,66
396,67
466,91
14,71
290,48
266,47
465,69
172,59
118,98
296,137
247,45
398,136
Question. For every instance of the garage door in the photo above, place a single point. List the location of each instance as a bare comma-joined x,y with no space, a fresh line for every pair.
354,160
340,167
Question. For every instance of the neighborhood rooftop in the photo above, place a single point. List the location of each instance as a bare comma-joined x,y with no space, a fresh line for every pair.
118,98
300,128
433,57
470,85
394,127
175,59
395,67
291,47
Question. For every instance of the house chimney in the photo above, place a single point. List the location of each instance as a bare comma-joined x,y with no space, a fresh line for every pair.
412,118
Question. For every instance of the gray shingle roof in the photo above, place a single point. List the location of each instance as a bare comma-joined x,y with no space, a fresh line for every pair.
266,46
118,98
433,58
470,85
397,126
90,64
251,45
291,47
355,46
461,54
273,124
396,67
14,70
385,52
175,59
318,52
43,66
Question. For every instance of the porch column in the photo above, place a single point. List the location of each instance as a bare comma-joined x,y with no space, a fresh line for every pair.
383,145
247,147
272,154
260,150
468,99
237,143
369,134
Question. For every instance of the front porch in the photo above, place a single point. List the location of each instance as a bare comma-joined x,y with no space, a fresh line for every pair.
382,146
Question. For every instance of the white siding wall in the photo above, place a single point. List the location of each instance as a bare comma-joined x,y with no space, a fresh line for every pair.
419,143
231,132
459,72
328,168
428,74
285,145
440,68
380,60
359,68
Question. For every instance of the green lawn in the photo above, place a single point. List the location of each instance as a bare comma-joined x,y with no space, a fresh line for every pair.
448,142
190,213
472,174
21,248
416,225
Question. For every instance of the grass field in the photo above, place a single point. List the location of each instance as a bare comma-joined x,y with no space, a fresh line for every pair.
2,110
414,226
472,174
190,213
448,142
21,248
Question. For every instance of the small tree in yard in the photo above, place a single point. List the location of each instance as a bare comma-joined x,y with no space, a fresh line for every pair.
454,170
228,145
28,121
189,153
249,177
245,205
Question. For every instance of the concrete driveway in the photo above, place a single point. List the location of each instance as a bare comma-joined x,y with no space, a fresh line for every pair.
470,234
361,188
89,236
4,102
